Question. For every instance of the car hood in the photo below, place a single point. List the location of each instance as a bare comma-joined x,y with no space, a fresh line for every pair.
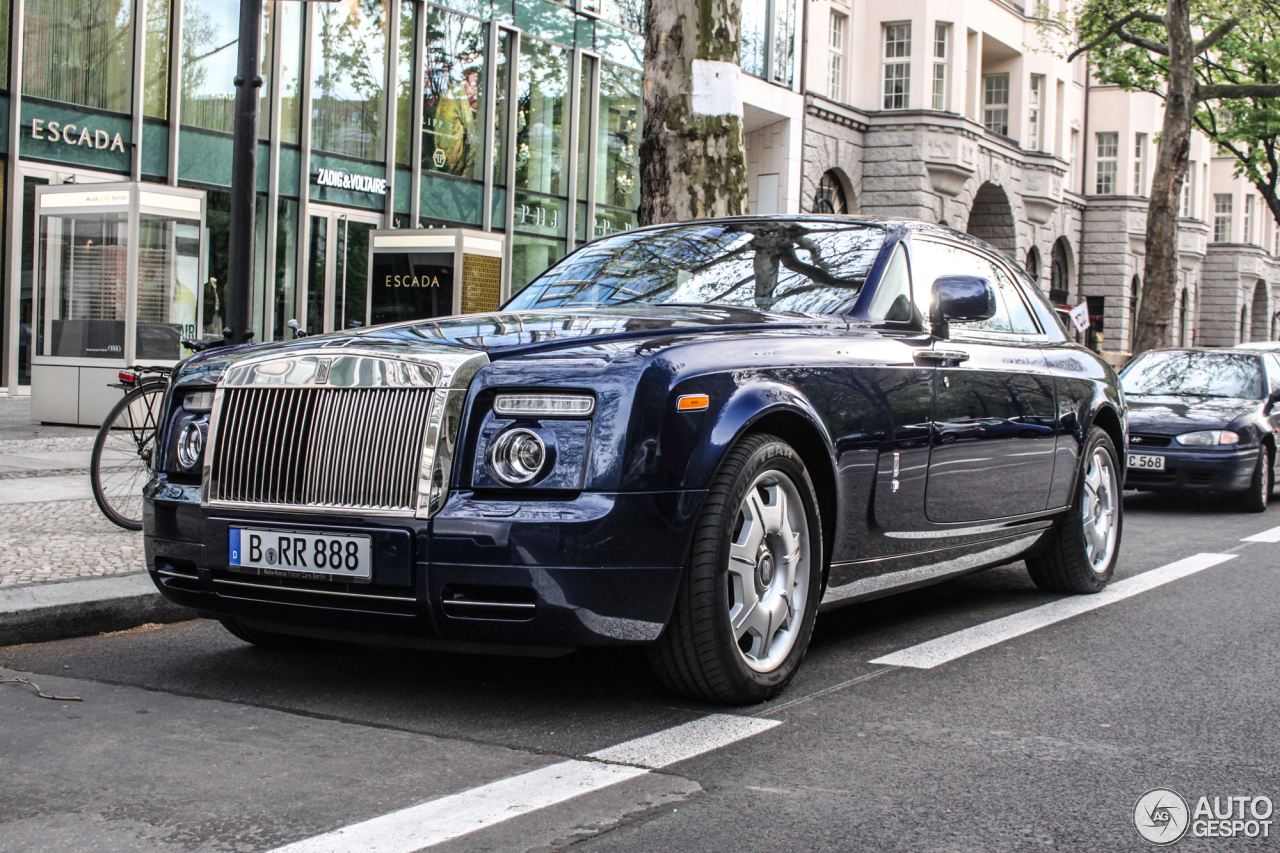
506,334
1174,415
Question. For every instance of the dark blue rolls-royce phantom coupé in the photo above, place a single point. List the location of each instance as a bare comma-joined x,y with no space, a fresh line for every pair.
691,436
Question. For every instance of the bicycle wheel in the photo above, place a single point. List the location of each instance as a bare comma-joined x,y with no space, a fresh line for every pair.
122,454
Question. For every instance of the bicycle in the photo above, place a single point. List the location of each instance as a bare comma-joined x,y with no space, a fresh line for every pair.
125,447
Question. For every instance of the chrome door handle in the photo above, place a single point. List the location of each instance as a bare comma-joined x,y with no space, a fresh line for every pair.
942,355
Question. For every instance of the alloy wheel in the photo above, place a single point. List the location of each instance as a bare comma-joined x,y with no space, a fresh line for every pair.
1099,510
768,571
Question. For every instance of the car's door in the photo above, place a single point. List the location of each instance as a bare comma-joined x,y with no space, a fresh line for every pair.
994,415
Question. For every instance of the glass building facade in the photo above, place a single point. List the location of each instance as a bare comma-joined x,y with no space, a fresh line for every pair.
520,118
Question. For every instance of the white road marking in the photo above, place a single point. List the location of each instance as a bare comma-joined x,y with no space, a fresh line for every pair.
936,652
430,823
1272,535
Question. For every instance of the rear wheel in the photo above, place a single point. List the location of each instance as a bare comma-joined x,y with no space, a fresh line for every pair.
1259,494
123,454
1080,555
747,602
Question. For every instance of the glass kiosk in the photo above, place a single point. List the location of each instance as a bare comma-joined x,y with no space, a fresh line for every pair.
118,274
436,272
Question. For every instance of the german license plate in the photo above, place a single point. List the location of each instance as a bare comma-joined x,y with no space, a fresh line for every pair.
1146,463
317,556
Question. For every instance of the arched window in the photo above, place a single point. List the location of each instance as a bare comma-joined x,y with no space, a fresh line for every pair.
830,197
1032,264
1059,273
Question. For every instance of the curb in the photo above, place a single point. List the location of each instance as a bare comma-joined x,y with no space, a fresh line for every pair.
38,613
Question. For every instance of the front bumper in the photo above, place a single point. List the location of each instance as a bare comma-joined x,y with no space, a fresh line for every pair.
596,569
1225,471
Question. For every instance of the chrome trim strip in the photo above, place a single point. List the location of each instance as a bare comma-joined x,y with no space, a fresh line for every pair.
210,442
518,605
400,598
169,574
333,509
360,365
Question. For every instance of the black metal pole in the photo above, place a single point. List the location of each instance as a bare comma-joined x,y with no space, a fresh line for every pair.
244,176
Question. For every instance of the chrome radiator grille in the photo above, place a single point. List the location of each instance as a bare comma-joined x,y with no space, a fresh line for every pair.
344,448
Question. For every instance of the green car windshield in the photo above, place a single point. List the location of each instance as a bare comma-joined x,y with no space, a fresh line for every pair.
773,265
1195,374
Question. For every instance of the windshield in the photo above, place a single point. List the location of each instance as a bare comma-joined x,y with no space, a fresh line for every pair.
776,265
1200,374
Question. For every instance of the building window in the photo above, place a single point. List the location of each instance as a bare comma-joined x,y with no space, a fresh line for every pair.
897,74
1248,219
830,197
835,58
1189,191
1075,147
1221,217
995,103
1108,152
941,36
1035,114
348,79
78,53
1139,164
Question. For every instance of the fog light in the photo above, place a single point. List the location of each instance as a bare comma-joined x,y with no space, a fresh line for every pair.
190,446
516,457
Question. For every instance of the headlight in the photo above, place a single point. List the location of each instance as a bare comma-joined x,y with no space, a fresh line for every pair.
190,445
544,405
517,456
1208,438
198,401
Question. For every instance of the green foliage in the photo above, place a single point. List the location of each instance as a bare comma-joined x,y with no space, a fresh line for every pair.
1245,127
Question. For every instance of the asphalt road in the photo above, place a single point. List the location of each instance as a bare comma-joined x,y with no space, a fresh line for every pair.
188,739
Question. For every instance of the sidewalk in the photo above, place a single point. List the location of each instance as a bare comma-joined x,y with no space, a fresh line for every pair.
64,569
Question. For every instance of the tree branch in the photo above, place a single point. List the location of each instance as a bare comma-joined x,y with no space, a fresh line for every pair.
1117,29
1215,35
1217,91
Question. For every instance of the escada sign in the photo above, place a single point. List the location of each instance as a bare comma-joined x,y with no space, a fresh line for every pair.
71,134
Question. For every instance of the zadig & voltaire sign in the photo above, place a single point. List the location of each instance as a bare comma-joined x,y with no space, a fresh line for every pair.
71,134
348,181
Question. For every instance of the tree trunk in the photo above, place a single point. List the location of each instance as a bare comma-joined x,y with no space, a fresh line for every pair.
1160,273
692,155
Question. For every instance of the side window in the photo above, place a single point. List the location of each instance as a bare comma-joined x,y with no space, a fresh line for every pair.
930,260
892,300
1273,370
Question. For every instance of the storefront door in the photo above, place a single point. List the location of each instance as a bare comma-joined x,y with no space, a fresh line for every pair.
338,269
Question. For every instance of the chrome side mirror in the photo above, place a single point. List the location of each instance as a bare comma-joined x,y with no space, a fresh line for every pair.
960,299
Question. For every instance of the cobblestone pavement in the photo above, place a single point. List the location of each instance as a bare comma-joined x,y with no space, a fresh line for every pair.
63,540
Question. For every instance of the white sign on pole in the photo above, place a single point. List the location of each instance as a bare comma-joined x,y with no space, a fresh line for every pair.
1080,316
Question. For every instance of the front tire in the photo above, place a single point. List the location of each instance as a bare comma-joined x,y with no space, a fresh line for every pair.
1081,553
746,605
1259,494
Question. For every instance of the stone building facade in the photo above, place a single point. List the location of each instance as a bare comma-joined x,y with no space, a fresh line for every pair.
965,116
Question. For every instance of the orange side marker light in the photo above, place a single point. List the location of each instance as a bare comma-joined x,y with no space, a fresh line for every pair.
693,403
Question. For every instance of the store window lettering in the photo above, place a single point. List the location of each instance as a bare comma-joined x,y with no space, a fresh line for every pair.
411,281
605,227
70,134
348,181
538,217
